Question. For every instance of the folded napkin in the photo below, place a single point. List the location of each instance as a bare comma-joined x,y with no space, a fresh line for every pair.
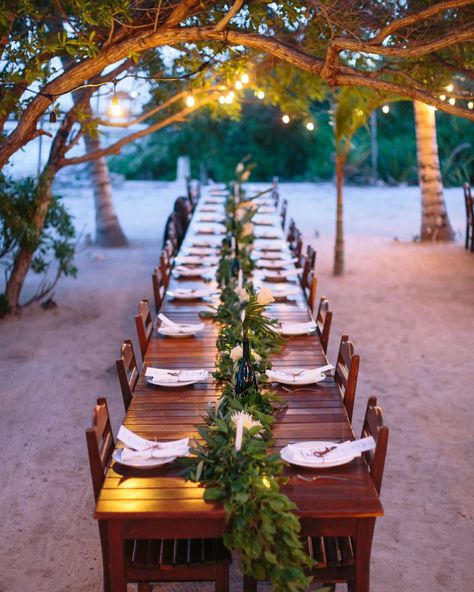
299,374
138,448
189,293
210,218
196,260
275,263
173,376
201,250
271,255
169,327
208,229
282,274
329,452
193,271
293,327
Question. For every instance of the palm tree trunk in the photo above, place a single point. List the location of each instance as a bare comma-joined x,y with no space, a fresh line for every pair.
108,231
435,223
339,246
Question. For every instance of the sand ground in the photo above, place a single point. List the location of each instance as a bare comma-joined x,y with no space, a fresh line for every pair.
408,307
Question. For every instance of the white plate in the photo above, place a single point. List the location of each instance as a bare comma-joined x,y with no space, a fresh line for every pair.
190,295
140,464
170,331
318,463
298,381
171,384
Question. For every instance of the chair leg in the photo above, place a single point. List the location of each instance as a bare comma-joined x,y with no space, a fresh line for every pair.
222,578
250,584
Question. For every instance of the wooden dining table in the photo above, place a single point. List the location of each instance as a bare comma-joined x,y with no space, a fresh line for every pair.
159,503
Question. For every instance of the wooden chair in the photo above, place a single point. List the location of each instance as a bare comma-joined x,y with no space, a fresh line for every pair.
166,263
144,324
183,209
290,236
284,209
334,557
323,322
469,203
158,288
146,561
128,371
345,375
309,284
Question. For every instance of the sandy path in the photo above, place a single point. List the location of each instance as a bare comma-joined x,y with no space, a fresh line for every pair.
409,309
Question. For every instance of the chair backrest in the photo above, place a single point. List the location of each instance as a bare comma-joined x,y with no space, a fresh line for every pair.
469,202
311,255
323,322
347,370
284,208
158,288
166,263
290,236
374,426
183,209
127,370
100,444
144,324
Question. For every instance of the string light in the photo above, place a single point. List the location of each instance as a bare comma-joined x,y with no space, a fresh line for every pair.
190,101
386,109
286,118
442,97
245,78
452,101
450,88
238,85
230,97
260,95
470,105
310,126
115,108
222,99
359,112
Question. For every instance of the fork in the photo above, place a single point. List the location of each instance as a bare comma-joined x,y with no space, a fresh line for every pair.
316,477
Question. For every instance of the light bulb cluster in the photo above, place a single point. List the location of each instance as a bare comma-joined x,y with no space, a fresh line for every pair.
452,100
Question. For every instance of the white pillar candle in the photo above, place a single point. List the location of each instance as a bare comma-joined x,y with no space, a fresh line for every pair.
239,431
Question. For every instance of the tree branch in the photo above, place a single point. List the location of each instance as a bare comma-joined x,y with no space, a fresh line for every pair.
117,146
222,24
417,17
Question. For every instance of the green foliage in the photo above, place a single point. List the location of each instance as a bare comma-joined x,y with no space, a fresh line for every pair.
18,231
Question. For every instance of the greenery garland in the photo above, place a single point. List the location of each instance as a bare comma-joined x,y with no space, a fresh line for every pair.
262,526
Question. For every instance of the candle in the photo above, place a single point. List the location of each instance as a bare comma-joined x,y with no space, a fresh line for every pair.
240,279
239,431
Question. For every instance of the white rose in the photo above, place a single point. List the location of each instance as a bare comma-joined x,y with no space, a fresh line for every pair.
265,297
236,353
256,357
239,168
246,419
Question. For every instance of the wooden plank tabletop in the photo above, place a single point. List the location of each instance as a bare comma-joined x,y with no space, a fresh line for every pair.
314,413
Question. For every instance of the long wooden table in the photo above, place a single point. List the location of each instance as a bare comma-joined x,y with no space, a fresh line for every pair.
158,503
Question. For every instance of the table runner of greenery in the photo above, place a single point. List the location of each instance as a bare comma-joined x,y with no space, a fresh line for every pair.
262,526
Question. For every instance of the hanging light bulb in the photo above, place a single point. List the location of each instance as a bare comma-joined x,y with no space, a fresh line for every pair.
222,99
310,126
470,105
386,109
450,88
260,95
238,85
115,108
442,97
286,118
245,78
452,101
230,97
190,101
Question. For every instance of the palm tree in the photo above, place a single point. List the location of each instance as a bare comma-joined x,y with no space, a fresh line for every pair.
435,223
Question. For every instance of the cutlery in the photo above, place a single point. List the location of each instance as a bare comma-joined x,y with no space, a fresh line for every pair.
316,477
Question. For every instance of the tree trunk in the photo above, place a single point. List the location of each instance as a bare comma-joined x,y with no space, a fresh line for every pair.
23,261
435,223
339,246
108,231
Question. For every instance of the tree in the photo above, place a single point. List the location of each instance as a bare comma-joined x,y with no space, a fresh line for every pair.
435,223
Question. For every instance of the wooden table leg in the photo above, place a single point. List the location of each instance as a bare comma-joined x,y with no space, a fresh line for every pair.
116,563
363,548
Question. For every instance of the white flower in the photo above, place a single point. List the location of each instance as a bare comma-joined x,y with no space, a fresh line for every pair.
256,357
265,297
236,353
246,419
245,176
247,229
239,168
242,294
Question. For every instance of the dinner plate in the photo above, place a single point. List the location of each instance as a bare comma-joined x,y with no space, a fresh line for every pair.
170,331
141,464
297,331
318,463
192,295
171,384
297,381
